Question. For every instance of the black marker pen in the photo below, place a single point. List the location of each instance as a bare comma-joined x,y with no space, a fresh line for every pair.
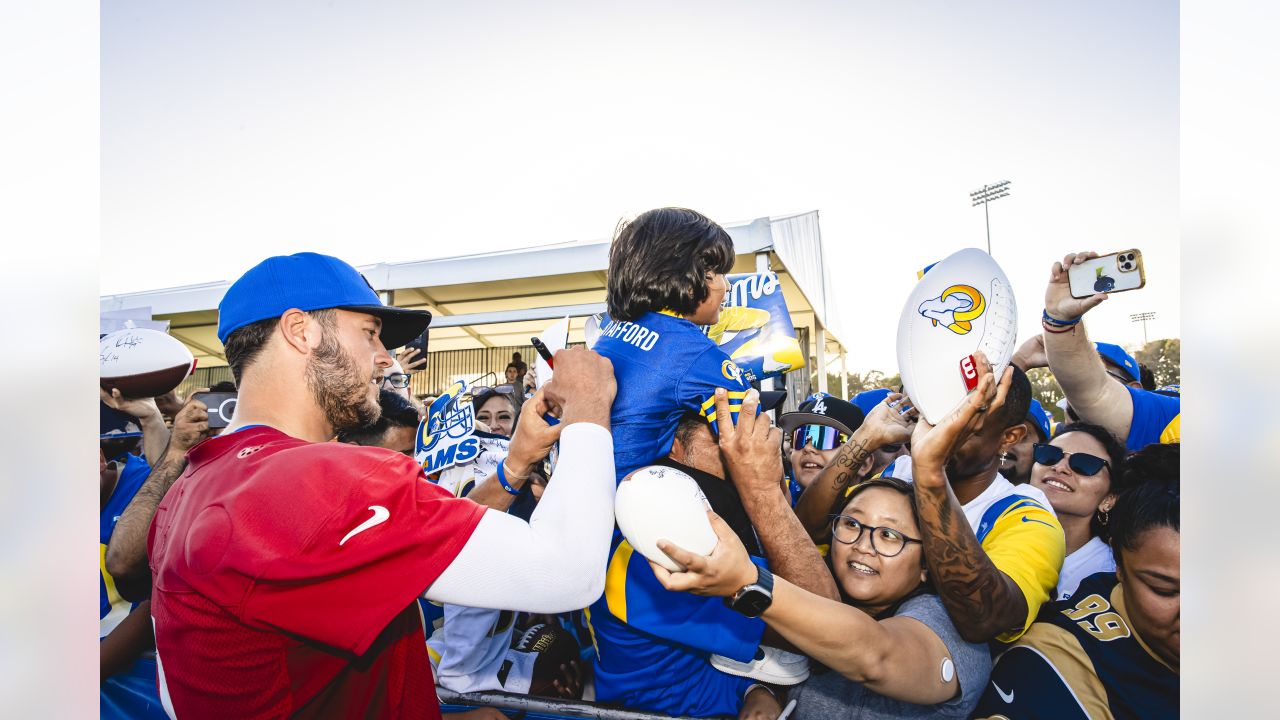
541,347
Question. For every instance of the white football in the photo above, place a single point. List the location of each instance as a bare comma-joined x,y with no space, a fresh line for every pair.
657,503
962,305
142,362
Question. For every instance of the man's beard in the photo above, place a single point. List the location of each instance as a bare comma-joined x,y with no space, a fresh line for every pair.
335,382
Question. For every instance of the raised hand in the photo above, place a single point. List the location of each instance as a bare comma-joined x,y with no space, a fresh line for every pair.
411,359
933,445
891,421
583,386
190,425
1057,296
752,449
140,408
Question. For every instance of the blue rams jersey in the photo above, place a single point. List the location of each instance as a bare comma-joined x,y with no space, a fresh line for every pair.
1081,659
653,645
113,608
1156,419
664,366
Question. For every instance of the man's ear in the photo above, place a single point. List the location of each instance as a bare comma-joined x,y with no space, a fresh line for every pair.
868,463
298,328
1012,436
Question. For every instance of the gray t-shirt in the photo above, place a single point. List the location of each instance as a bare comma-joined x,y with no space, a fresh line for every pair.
830,695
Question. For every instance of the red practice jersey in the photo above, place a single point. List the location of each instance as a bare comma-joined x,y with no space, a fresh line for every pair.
285,574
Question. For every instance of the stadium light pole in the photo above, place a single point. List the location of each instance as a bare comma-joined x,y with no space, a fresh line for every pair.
1143,317
984,196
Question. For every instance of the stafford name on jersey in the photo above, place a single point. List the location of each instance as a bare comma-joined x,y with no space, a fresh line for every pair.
632,334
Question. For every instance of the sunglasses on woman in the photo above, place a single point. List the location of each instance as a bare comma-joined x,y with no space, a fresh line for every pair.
822,437
1080,463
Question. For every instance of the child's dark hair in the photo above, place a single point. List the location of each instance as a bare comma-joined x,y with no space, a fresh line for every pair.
660,261
1115,457
1150,496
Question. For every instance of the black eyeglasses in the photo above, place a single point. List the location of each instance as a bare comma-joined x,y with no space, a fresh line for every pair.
886,541
397,380
1080,463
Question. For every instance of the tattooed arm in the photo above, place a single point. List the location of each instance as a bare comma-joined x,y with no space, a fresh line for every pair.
884,425
126,558
982,601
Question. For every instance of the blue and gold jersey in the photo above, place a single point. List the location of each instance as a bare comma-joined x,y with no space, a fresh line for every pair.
1156,419
113,608
1082,659
664,366
653,645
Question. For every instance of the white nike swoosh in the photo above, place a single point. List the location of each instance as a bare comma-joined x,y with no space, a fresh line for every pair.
1007,697
380,515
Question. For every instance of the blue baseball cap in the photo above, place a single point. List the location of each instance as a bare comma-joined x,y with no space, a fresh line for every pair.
868,399
310,281
1040,419
1118,356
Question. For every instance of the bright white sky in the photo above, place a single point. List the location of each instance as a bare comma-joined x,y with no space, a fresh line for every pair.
389,131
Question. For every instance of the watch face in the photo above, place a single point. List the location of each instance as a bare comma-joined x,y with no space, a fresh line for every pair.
753,602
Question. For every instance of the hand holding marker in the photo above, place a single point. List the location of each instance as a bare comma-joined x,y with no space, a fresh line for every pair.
545,354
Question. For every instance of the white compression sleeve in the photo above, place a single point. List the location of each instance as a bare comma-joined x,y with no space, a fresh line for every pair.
555,562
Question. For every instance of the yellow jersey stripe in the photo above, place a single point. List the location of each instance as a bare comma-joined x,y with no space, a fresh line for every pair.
1173,431
732,395
615,581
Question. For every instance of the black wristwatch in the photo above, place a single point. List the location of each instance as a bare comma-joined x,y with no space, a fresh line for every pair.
755,598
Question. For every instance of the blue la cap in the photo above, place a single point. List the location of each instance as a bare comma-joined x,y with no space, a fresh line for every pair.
1040,419
310,281
868,399
1118,356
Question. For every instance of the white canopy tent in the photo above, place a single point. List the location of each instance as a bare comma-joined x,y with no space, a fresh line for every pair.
500,299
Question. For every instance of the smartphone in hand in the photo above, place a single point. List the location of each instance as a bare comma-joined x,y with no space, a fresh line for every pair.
420,343
1117,272
222,405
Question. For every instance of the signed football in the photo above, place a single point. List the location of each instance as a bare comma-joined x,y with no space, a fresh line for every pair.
142,362
662,503
961,305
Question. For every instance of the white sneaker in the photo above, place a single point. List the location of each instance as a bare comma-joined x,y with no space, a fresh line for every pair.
770,665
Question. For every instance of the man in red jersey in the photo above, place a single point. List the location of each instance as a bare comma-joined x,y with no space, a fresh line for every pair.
285,568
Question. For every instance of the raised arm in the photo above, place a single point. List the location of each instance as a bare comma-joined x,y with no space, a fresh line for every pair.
982,600
155,436
886,424
126,558
752,452
896,657
556,561
1094,395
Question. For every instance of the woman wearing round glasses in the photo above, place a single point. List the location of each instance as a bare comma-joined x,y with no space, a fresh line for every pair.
891,647
1074,470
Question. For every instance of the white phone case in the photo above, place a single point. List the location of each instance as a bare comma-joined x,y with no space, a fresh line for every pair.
1116,272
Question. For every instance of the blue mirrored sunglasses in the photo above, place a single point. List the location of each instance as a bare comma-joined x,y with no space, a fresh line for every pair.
822,437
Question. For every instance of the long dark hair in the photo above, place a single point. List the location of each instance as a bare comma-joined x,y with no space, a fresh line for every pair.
1115,456
660,261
